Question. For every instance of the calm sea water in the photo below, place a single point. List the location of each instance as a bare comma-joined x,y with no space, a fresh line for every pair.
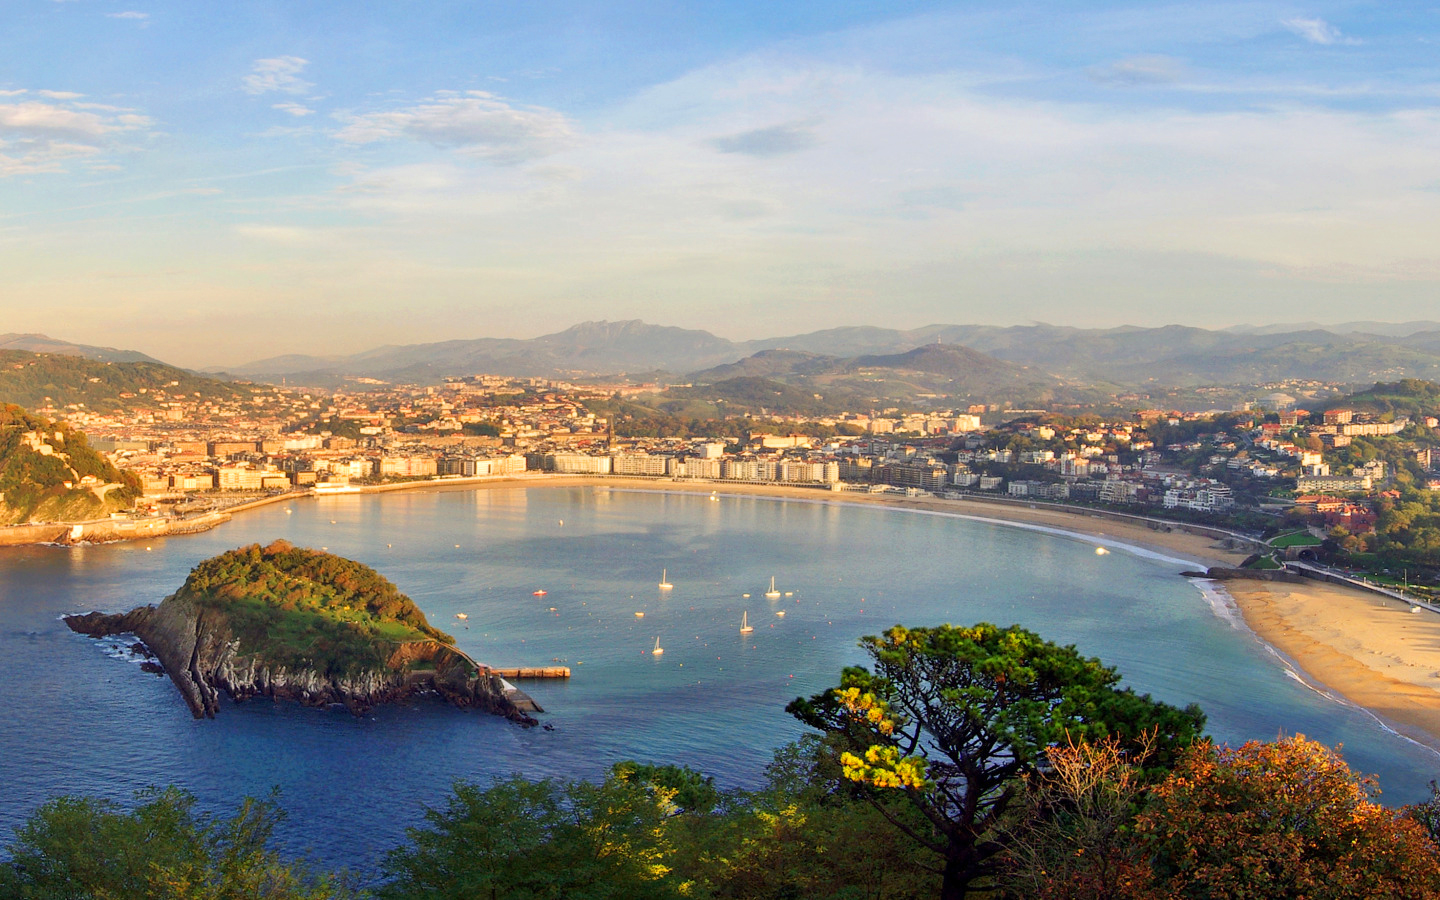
78,719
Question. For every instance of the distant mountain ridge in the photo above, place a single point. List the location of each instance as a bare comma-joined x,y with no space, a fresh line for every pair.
1181,356
39,343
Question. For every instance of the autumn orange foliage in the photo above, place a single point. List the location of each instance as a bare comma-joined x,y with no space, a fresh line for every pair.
1280,819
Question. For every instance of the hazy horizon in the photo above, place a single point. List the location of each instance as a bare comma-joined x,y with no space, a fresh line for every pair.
213,191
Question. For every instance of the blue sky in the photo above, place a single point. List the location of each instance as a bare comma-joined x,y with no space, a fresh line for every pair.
331,176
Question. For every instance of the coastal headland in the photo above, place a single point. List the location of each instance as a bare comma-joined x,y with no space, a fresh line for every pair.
289,623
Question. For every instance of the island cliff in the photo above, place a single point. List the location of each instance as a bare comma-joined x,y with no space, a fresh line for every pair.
295,624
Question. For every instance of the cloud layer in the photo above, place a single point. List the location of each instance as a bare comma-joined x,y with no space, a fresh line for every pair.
477,122
41,135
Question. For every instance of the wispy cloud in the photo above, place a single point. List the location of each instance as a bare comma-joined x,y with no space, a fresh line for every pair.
128,14
776,140
1318,31
60,95
476,122
1138,70
298,110
40,136
280,73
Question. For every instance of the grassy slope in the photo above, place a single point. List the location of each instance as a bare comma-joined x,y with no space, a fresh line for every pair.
301,608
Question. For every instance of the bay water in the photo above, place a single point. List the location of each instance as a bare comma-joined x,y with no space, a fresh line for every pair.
79,716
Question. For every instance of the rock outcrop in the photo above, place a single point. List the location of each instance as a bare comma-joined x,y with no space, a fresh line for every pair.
199,651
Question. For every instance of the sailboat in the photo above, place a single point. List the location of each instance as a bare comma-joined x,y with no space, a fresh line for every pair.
665,584
772,593
658,649
745,626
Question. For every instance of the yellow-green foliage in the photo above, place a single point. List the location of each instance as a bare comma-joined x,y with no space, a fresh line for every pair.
301,608
33,483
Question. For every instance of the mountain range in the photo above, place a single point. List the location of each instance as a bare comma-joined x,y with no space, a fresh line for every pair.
39,343
979,361
1182,356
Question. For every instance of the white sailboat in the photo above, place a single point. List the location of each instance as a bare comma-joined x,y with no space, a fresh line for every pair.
665,584
658,650
772,593
745,626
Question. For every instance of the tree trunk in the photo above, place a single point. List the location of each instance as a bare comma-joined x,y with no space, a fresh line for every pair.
955,880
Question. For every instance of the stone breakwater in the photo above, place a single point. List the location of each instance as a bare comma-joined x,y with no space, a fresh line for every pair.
200,654
103,531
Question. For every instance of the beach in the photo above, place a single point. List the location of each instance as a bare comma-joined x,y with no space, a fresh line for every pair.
1366,648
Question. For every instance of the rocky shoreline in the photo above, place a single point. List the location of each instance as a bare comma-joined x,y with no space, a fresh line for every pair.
196,648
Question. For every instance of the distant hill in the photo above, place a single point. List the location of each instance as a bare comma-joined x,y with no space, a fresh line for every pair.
930,371
770,363
1408,397
1386,329
39,343
589,348
37,379
50,473
1175,355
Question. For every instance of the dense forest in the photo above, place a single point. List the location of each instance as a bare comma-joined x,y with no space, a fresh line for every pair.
33,483
297,607
963,762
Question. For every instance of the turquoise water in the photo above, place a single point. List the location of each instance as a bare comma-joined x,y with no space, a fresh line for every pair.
80,720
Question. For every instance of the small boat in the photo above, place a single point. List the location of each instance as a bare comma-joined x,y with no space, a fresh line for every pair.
462,616
780,613
539,593
745,626
1415,609
772,593
789,593
665,584
658,649
1101,551
639,615
289,511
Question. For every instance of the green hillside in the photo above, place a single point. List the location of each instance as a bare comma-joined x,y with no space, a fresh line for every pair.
38,458
304,609
35,379
1408,397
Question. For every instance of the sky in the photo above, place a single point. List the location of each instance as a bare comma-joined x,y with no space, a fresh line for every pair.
218,183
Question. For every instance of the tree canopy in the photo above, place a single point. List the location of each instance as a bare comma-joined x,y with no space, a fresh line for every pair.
164,849
299,607
955,717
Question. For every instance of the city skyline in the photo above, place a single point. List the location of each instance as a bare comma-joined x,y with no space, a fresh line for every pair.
315,180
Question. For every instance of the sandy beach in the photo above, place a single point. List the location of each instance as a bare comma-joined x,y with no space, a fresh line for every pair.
1368,649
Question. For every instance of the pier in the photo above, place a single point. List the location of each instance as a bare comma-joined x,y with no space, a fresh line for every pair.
533,672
